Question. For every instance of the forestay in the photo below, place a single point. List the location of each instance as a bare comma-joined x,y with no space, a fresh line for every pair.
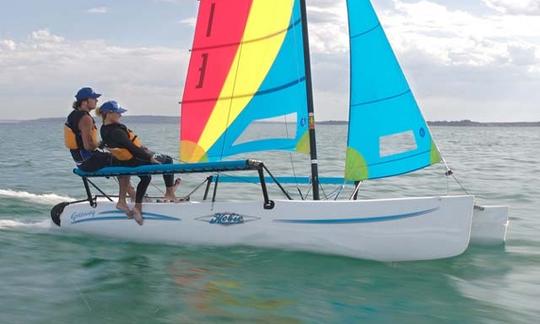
387,134
247,66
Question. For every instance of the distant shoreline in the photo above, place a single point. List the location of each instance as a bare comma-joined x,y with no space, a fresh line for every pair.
457,123
174,120
469,123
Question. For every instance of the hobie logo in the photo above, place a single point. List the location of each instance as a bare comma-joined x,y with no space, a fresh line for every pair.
77,217
227,219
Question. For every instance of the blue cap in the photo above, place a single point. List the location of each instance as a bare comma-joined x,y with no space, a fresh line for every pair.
86,93
111,106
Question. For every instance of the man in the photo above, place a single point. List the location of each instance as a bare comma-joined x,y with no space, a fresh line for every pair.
80,133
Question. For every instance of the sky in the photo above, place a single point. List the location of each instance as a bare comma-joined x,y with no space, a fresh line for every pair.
464,59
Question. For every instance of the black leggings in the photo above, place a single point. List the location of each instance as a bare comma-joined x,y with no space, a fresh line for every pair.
97,161
167,178
142,187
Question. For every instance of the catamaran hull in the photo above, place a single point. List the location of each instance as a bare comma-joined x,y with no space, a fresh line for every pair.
490,225
384,230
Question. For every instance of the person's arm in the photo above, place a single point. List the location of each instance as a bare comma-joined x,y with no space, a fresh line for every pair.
86,125
122,140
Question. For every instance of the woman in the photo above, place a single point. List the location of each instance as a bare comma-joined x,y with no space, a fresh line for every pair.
127,148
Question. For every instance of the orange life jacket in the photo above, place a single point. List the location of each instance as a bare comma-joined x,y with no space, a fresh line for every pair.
73,137
124,154
72,141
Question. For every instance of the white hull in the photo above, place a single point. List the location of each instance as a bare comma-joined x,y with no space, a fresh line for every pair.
490,224
385,230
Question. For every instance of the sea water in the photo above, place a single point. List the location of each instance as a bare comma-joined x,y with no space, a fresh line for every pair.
50,277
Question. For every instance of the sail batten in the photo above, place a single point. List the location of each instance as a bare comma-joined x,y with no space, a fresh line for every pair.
258,93
388,135
366,31
262,79
381,99
262,38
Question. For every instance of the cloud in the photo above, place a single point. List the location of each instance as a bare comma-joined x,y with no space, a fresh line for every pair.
523,54
460,64
46,69
44,36
98,10
482,67
519,7
328,27
8,44
191,21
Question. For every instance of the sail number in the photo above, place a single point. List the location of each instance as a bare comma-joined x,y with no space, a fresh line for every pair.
210,20
204,57
202,70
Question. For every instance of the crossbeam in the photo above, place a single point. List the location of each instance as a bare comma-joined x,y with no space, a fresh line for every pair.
223,166
206,167
300,180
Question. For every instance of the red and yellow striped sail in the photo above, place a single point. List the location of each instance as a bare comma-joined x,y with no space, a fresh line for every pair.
246,65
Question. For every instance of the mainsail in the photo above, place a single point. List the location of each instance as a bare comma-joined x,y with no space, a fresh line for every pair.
387,134
247,65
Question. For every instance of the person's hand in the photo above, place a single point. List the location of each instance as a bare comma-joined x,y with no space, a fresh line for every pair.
147,150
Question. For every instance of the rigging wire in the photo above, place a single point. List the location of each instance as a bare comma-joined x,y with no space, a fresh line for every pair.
460,184
332,193
447,186
308,191
291,158
156,187
231,101
340,191
450,173
294,32
196,188
324,193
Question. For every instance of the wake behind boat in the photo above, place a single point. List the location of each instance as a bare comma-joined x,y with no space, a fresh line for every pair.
250,63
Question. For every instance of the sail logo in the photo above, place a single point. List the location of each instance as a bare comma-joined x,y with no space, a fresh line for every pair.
77,217
227,219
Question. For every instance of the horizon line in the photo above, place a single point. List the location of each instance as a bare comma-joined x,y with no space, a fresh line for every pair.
326,120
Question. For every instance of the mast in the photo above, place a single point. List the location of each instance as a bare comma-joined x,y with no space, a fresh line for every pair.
311,115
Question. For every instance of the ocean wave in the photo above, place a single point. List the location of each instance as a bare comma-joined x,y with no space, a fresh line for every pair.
45,199
13,224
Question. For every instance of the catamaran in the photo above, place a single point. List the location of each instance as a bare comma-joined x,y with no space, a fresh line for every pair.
250,62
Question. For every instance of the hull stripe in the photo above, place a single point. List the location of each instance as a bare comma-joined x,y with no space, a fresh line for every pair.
119,215
109,215
357,220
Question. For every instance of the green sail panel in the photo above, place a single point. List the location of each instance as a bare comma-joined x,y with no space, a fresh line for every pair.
388,135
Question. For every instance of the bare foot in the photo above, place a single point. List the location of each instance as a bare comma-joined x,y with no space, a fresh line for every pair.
170,195
137,214
125,208
177,183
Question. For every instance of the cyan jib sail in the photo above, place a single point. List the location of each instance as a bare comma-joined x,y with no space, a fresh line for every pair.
387,134
247,66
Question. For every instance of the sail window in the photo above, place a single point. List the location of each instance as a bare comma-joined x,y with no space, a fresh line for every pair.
282,127
397,143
